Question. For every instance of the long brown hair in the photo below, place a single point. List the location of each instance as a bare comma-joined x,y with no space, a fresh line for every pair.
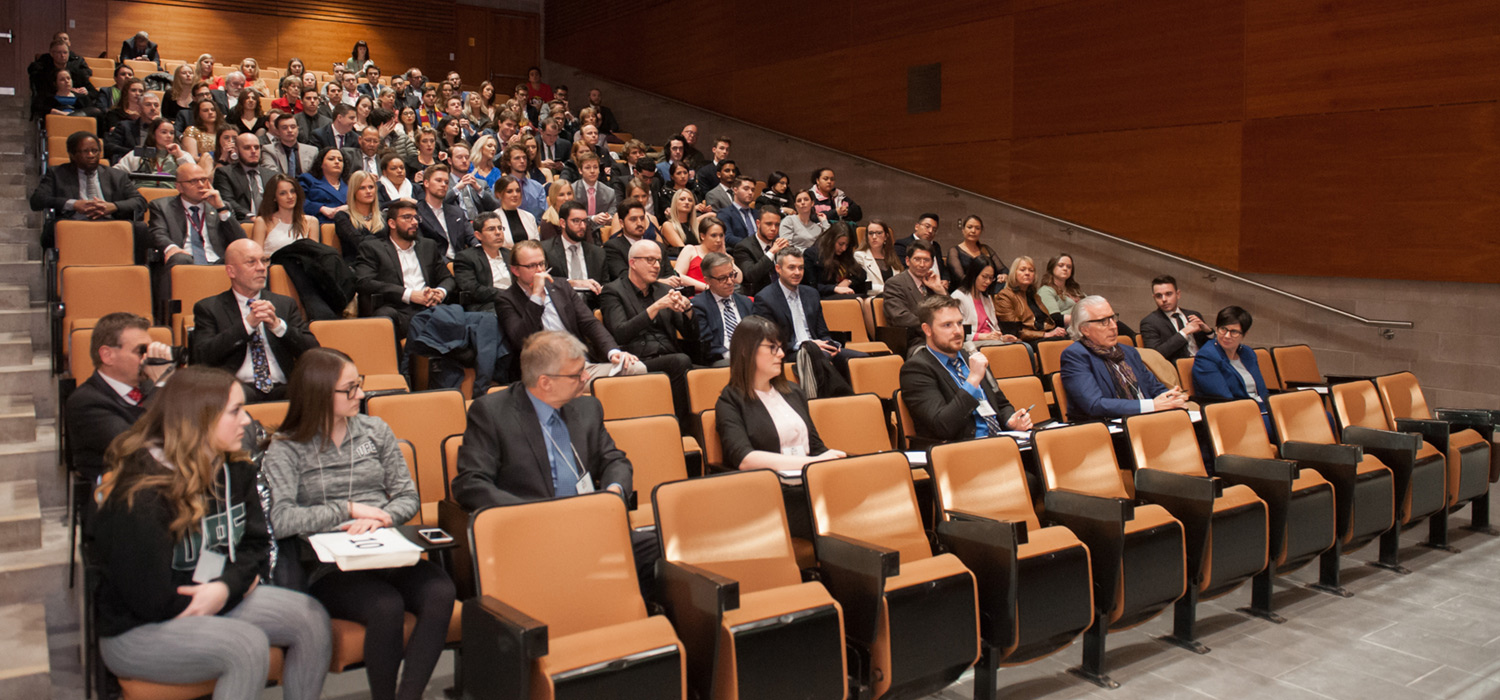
888,250
835,266
309,394
1071,288
269,207
180,418
752,331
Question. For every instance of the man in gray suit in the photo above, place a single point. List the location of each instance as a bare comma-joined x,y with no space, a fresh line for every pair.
286,154
243,184
194,227
598,198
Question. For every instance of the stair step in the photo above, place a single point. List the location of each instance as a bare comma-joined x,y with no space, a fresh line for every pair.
17,419
27,272
15,349
20,516
30,321
34,378
37,460
25,670
15,297
39,575
14,252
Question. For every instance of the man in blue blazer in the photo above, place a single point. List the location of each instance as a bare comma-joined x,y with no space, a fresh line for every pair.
1104,379
798,311
715,325
739,217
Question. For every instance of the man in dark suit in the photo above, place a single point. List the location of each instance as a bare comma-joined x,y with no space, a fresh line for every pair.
1104,379
926,230
708,175
538,302
470,193
311,119
114,396
633,224
756,255
288,155
364,155
950,391
338,133
81,190
572,258
719,311
442,222
797,310
248,331
1171,330
904,292
675,149
482,273
370,88
194,227
403,273
552,149
242,184
130,134
139,48
650,319
739,216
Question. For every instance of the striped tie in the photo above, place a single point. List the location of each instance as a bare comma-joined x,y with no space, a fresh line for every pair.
731,320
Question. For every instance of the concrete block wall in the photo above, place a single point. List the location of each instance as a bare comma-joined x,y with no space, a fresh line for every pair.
1454,347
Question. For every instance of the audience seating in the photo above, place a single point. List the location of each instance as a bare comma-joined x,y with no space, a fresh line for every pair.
1136,551
424,418
1296,366
653,444
1468,429
1164,370
1049,354
1026,391
278,282
1185,375
81,364
191,284
1224,527
105,66
144,68
1059,396
1268,372
1125,340
91,243
733,589
907,613
879,375
328,235
1375,496
371,343
59,125
634,396
704,387
848,316
89,293
559,613
270,414
1013,360
1034,582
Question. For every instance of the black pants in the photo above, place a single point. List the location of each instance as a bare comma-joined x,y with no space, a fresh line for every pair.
377,599
675,366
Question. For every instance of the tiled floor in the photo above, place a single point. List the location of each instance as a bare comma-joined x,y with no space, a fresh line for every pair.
1432,634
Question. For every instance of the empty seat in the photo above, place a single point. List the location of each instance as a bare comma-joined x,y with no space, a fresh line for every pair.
559,613
1013,360
704,387
1268,371
91,243
1185,374
880,375
1059,396
1468,429
1027,391
634,396
270,414
734,591
102,66
65,126
912,617
1366,489
1049,354
653,444
191,284
424,418
144,68
847,316
89,293
1296,366
1225,528
1136,550
1035,587
371,343
854,424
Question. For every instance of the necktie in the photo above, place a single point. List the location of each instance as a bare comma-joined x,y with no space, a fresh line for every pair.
135,396
731,320
960,372
292,163
591,201
575,263
253,176
195,235
258,362
338,140
91,186
1177,319
749,223
564,476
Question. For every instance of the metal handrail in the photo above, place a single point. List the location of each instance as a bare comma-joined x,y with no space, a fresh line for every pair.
1067,226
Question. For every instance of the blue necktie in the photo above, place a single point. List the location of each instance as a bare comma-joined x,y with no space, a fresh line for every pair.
564,476
195,235
731,319
984,426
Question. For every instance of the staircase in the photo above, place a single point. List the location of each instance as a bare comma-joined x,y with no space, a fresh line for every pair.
37,608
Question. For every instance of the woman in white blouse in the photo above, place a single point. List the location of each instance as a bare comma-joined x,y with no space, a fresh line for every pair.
762,418
877,255
518,224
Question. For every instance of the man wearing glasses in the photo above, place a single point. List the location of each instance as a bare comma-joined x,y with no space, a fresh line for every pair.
649,319
114,396
1104,379
194,227
718,312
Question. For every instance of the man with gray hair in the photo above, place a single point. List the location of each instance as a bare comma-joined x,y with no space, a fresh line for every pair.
1104,379
229,96
720,311
651,320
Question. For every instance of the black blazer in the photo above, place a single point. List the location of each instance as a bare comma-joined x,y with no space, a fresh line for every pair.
624,311
617,257
324,137
378,270
169,226
520,317
710,320
503,459
351,235
1160,334
234,186
123,138
745,425
941,411
458,227
471,274
96,415
220,340
308,127
758,270
60,184
354,159
557,260
771,302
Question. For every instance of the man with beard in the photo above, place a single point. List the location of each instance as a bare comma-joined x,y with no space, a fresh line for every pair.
572,257
403,273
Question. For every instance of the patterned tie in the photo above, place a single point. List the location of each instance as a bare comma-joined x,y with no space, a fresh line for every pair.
292,162
91,186
195,235
258,362
591,201
564,476
960,372
731,319
135,396
576,270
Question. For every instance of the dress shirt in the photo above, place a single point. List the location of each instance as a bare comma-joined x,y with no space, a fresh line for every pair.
551,320
791,430
371,163
246,372
257,188
187,214
799,317
121,388
721,303
1179,319
958,372
499,271
411,271
437,213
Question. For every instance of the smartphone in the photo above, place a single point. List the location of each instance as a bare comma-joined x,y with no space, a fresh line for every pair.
435,535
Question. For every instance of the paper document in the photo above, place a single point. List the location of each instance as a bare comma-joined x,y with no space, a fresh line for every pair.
379,549
917,459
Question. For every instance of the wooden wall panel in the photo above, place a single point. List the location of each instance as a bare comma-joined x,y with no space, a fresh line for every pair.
977,166
515,46
1100,65
1404,194
1305,58
184,32
90,30
1176,188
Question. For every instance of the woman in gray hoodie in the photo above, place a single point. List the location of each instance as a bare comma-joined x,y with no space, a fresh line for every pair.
331,467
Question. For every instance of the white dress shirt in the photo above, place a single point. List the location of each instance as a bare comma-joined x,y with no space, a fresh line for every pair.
120,388
411,271
208,245
246,372
499,271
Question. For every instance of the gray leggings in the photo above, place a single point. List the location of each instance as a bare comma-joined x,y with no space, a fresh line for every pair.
232,647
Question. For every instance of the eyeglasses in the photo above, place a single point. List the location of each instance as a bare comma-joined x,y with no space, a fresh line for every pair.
652,261
723,278
1106,321
196,181
581,375
774,348
1231,332
137,350
530,266
353,389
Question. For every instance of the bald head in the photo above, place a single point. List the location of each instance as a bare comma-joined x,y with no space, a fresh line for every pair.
193,184
246,263
248,146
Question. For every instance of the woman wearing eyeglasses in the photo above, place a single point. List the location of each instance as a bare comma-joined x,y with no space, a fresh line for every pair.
330,468
1225,369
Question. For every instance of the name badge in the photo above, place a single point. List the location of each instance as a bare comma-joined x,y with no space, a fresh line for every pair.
585,484
986,410
794,451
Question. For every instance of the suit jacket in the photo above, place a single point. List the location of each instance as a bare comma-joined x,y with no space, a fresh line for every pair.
503,458
941,411
60,184
716,197
937,255
745,425
557,261
234,186
771,302
272,156
324,138
95,416
624,311
559,152
475,282
378,270
1160,334
605,198
220,339
707,177
309,126
1014,312
354,160
520,317
1091,387
617,257
734,224
475,202
710,320
902,297
124,138
458,227
169,226
757,269
1214,377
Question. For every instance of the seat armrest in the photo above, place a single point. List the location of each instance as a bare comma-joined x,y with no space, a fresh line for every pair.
857,555
894,337
1271,480
1346,378
1479,420
1436,432
1339,464
693,460
1301,385
1376,441
1073,505
854,572
685,587
989,549
507,640
1313,452
1100,523
1188,498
